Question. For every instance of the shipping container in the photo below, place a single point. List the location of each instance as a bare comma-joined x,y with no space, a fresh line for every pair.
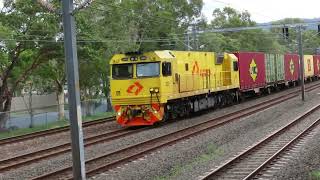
316,65
291,67
251,70
279,60
308,66
270,68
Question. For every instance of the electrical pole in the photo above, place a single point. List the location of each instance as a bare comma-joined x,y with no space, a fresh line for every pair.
188,40
70,48
194,36
301,61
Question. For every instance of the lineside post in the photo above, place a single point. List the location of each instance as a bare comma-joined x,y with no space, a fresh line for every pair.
70,48
301,62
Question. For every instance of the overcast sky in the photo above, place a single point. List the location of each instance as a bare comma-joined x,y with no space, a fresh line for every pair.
268,10
265,10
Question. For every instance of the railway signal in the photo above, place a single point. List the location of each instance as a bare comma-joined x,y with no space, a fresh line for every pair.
285,32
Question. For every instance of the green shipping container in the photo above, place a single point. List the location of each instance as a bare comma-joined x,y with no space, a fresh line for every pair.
270,68
279,67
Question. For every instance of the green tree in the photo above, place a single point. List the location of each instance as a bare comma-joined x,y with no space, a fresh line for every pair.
24,30
250,40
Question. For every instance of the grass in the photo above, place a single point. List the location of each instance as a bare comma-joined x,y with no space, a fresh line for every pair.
212,153
22,131
315,175
98,116
52,125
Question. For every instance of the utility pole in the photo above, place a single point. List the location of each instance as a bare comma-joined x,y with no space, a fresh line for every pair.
194,36
301,62
188,40
70,48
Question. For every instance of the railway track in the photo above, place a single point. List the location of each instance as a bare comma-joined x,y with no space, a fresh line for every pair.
114,159
25,137
28,158
250,163
85,124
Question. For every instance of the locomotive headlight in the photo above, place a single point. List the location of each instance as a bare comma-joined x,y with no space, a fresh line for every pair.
151,90
156,90
119,113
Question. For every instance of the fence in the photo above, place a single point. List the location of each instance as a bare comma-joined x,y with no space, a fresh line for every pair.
48,117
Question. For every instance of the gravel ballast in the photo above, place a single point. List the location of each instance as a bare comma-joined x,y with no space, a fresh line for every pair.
306,164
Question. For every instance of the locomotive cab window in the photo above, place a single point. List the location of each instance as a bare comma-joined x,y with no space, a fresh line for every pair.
166,69
235,66
122,71
148,69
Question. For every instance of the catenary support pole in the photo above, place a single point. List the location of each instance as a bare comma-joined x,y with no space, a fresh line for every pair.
188,40
301,62
194,37
70,49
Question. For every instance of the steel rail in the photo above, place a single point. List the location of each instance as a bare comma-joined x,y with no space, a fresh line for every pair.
51,131
28,158
231,164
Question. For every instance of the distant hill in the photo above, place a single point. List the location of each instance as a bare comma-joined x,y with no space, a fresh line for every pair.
312,27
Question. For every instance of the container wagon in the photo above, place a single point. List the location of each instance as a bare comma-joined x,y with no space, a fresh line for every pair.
280,73
251,71
291,68
308,67
316,65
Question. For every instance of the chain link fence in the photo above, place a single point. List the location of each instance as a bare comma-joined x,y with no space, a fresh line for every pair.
25,121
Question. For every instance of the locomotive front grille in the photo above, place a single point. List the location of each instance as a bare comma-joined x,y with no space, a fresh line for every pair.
135,101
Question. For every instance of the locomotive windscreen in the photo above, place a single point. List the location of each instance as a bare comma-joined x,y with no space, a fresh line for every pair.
148,69
122,71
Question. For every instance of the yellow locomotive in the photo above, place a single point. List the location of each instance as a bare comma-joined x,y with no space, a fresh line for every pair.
150,87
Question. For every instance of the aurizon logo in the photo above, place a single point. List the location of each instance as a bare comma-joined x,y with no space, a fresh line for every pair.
135,88
253,69
291,66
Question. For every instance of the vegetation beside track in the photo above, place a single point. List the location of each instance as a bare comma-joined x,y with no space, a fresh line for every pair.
211,153
315,174
51,125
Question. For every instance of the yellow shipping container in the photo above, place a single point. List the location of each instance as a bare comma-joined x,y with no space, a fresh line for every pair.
308,66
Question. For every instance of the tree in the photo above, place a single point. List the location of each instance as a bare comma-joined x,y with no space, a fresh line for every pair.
250,40
24,30
53,73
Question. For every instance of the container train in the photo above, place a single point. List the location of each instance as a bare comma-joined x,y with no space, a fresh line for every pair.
152,87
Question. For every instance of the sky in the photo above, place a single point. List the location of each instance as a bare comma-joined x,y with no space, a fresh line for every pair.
265,10
268,10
